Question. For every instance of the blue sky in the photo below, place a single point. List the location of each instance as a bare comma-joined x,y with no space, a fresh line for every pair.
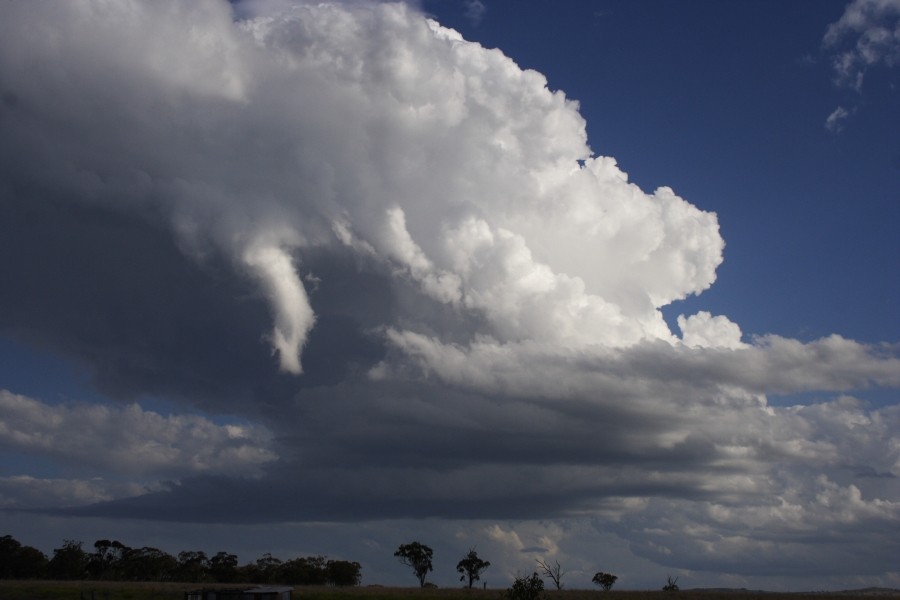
321,279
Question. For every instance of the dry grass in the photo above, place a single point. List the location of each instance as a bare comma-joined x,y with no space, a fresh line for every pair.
106,590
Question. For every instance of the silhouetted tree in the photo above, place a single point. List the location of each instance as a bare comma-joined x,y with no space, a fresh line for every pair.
223,567
104,563
671,584
68,562
310,570
343,573
20,562
31,563
147,564
9,550
555,573
268,569
418,557
471,566
605,580
193,566
526,588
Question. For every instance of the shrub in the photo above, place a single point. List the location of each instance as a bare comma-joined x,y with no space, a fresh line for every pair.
526,588
671,584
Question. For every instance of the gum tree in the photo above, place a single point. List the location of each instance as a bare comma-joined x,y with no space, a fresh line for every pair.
418,557
605,580
471,566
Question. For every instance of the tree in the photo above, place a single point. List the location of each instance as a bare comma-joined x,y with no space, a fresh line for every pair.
555,573
471,566
526,588
193,566
268,569
343,573
31,563
223,567
605,580
9,551
106,559
418,557
69,561
20,562
671,584
147,564
310,570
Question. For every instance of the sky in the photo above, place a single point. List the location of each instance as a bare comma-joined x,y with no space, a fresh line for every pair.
610,283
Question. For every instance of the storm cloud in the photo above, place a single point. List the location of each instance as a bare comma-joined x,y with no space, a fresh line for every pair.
393,255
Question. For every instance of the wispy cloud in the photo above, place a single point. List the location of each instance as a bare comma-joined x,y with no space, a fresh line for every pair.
835,121
33,493
866,35
475,10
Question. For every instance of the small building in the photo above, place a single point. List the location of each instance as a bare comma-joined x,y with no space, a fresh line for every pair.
268,592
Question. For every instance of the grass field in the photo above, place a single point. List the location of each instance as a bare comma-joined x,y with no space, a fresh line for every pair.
103,590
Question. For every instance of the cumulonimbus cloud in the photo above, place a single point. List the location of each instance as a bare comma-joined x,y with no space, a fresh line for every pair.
376,182
262,137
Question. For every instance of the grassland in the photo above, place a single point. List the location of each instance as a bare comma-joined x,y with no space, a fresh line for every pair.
102,590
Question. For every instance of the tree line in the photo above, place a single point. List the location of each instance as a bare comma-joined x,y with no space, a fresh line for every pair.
114,561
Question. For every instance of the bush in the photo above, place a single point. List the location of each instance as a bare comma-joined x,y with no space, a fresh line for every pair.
526,588
671,585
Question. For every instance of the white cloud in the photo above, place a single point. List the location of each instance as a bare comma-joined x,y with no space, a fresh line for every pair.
752,537
835,121
370,175
873,30
475,10
130,440
706,331
368,122
771,365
